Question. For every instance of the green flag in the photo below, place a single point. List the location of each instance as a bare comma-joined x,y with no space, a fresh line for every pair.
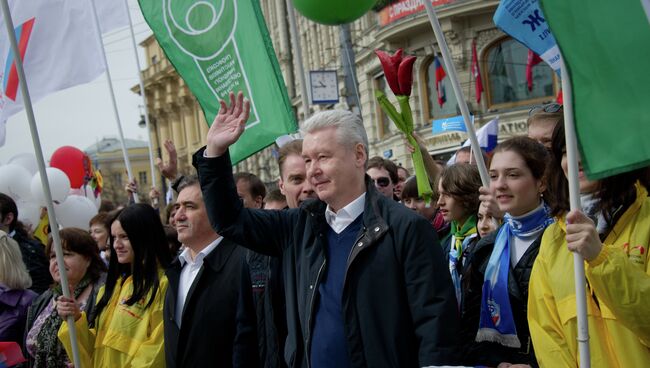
606,48
223,46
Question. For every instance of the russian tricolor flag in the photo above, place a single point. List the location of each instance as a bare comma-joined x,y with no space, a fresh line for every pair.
10,82
440,75
487,135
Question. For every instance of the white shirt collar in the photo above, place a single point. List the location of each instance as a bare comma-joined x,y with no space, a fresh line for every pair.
338,221
186,257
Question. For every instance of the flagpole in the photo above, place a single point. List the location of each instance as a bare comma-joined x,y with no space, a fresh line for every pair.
143,94
45,183
293,29
127,162
453,77
574,200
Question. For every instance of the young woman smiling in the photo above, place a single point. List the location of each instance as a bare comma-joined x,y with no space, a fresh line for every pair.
128,328
501,262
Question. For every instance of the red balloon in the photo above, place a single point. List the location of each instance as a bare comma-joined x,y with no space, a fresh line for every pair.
74,163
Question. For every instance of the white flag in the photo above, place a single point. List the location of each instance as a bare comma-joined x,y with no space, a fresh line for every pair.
112,14
59,47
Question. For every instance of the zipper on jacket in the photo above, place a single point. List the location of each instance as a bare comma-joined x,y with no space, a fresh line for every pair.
350,259
313,287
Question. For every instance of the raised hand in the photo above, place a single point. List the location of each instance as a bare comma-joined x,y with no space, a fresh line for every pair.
131,187
228,125
169,169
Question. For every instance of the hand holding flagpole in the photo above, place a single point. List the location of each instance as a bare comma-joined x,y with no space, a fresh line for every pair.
453,77
58,250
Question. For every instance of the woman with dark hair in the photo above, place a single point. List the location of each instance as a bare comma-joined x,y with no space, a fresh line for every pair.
85,271
612,234
127,330
501,262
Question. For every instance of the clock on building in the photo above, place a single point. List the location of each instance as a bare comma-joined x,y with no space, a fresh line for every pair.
324,86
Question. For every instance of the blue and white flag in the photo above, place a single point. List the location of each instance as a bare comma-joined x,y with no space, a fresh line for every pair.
453,124
525,22
487,135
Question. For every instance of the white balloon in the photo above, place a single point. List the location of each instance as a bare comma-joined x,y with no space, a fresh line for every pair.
14,182
59,186
75,211
29,213
26,160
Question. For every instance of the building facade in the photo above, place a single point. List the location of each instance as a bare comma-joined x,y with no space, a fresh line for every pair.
402,24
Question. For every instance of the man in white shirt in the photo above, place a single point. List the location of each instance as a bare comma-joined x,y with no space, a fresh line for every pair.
200,304
366,284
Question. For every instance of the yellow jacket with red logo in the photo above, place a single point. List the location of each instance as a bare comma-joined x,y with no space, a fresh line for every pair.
618,295
125,336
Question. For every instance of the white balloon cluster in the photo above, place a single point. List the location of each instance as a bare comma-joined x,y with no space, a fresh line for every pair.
20,180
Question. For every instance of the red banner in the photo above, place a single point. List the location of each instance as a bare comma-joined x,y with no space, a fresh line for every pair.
405,8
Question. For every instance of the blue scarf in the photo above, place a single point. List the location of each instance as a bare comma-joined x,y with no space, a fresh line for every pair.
497,323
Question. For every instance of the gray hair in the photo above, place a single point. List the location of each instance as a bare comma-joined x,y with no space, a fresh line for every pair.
349,126
187,181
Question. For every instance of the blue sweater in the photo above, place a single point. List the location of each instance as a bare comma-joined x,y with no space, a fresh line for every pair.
329,344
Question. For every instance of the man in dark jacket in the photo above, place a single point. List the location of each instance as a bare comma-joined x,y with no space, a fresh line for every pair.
201,300
365,279
32,250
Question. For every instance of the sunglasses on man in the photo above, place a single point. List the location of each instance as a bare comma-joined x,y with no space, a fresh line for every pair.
382,181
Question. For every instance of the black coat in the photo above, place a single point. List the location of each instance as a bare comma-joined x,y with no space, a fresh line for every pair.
261,312
36,261
489,353
207,331
398,301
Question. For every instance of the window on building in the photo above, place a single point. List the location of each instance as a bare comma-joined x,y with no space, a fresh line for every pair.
450,107
154,60
142,178
384,124
117,179
505,62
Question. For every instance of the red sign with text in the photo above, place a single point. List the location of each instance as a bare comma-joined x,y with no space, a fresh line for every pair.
405,8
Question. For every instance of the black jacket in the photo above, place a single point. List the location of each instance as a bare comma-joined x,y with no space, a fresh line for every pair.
207,331
261,312
398,301
488,353
37,263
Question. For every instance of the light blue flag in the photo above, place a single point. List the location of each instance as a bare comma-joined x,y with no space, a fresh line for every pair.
453,124
525,22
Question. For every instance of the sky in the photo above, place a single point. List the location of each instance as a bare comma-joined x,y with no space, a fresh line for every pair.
81,116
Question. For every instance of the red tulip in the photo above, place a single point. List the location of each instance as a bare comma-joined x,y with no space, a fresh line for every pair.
390,64
398,71
405,75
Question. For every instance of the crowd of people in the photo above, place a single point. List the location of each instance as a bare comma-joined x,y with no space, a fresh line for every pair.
343,264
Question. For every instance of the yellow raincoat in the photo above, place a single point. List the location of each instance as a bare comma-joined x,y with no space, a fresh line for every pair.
125,336
618,296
